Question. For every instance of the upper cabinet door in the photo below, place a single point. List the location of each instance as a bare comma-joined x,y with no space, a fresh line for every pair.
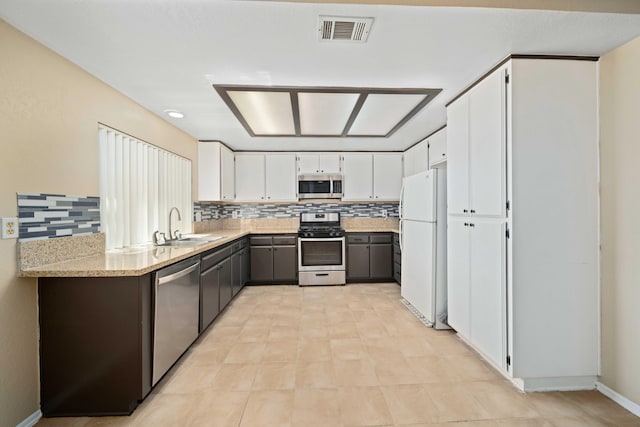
250,177
228,174
458,156
387,176
358,176
281,181
329,163
308,164
487,157
438,148
318,163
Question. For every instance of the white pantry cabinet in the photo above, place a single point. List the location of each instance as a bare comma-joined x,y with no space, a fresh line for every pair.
312,163
266,177
216,172
530,305
476,145
477,304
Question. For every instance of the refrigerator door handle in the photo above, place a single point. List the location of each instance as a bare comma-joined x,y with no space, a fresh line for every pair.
400,235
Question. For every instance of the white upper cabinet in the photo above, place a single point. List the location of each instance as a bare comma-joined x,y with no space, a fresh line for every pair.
458,156
310,163
266,177
372,176
216,172
437,147
416,158
476,164
280,177
358,176
228,174
387,176
250,177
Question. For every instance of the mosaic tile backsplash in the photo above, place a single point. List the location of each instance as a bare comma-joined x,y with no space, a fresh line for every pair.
209,211
47,216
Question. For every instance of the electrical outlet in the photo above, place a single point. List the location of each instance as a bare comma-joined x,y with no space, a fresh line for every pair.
9,228
384,213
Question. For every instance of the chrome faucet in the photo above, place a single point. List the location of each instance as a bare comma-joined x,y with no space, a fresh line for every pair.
176,234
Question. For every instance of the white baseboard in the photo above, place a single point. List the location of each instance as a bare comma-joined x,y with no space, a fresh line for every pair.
587,382
31,420
619,399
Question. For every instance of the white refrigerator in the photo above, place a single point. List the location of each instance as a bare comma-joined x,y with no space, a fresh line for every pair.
423,234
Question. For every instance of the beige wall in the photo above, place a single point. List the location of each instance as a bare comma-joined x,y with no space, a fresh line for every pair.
49,114
620,218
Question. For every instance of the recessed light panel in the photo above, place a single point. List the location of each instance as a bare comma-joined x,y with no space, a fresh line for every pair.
267,113
325,113
380,113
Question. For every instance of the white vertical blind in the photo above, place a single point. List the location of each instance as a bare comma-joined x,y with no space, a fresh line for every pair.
139,184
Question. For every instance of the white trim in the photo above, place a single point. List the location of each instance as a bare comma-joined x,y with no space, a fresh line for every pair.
627,404
586,382
31,420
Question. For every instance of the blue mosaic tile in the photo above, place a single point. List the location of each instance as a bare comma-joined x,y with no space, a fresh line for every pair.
45,216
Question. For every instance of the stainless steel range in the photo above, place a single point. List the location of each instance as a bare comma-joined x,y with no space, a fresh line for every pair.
321,250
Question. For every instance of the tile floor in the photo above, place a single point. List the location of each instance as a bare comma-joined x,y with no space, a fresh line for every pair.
343,356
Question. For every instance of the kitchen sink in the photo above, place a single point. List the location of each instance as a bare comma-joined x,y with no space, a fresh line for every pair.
191,241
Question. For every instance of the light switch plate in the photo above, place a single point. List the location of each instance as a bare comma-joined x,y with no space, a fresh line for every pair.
9,228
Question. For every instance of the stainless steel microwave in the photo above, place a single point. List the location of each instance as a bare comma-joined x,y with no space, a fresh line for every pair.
319,186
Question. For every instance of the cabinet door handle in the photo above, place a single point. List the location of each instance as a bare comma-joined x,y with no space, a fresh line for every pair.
466,224
472,211
471,224
465,211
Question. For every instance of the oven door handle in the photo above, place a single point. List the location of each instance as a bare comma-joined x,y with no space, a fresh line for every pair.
320,239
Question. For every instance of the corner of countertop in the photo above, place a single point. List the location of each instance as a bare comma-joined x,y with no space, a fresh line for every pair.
36,253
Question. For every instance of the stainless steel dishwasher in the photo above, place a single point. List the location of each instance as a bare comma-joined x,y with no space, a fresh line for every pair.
176,304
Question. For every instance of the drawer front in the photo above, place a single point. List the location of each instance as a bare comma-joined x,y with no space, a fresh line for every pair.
358,238
260,241
285,240
211,259
380,238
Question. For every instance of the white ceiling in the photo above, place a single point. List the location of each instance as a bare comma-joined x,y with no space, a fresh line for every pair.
166,54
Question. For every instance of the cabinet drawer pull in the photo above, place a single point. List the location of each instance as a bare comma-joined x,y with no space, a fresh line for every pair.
321,274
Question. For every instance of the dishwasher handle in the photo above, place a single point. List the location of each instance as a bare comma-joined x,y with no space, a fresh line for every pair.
177,275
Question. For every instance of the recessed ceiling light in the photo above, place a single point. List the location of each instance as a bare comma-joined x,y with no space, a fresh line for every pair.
174,113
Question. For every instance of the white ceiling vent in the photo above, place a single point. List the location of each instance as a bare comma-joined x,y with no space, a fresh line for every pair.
343,28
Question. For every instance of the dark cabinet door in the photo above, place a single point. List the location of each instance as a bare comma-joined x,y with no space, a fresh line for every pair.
261,263
209,297
285,264
358,261
236,272
244,272
226,286
381,261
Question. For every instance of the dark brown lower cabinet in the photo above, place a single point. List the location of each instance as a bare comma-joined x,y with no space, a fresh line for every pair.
397,258
369,257
274,259
95,344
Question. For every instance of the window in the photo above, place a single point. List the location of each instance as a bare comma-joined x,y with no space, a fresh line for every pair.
139,184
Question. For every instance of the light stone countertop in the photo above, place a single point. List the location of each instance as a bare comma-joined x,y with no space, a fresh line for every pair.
144,259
